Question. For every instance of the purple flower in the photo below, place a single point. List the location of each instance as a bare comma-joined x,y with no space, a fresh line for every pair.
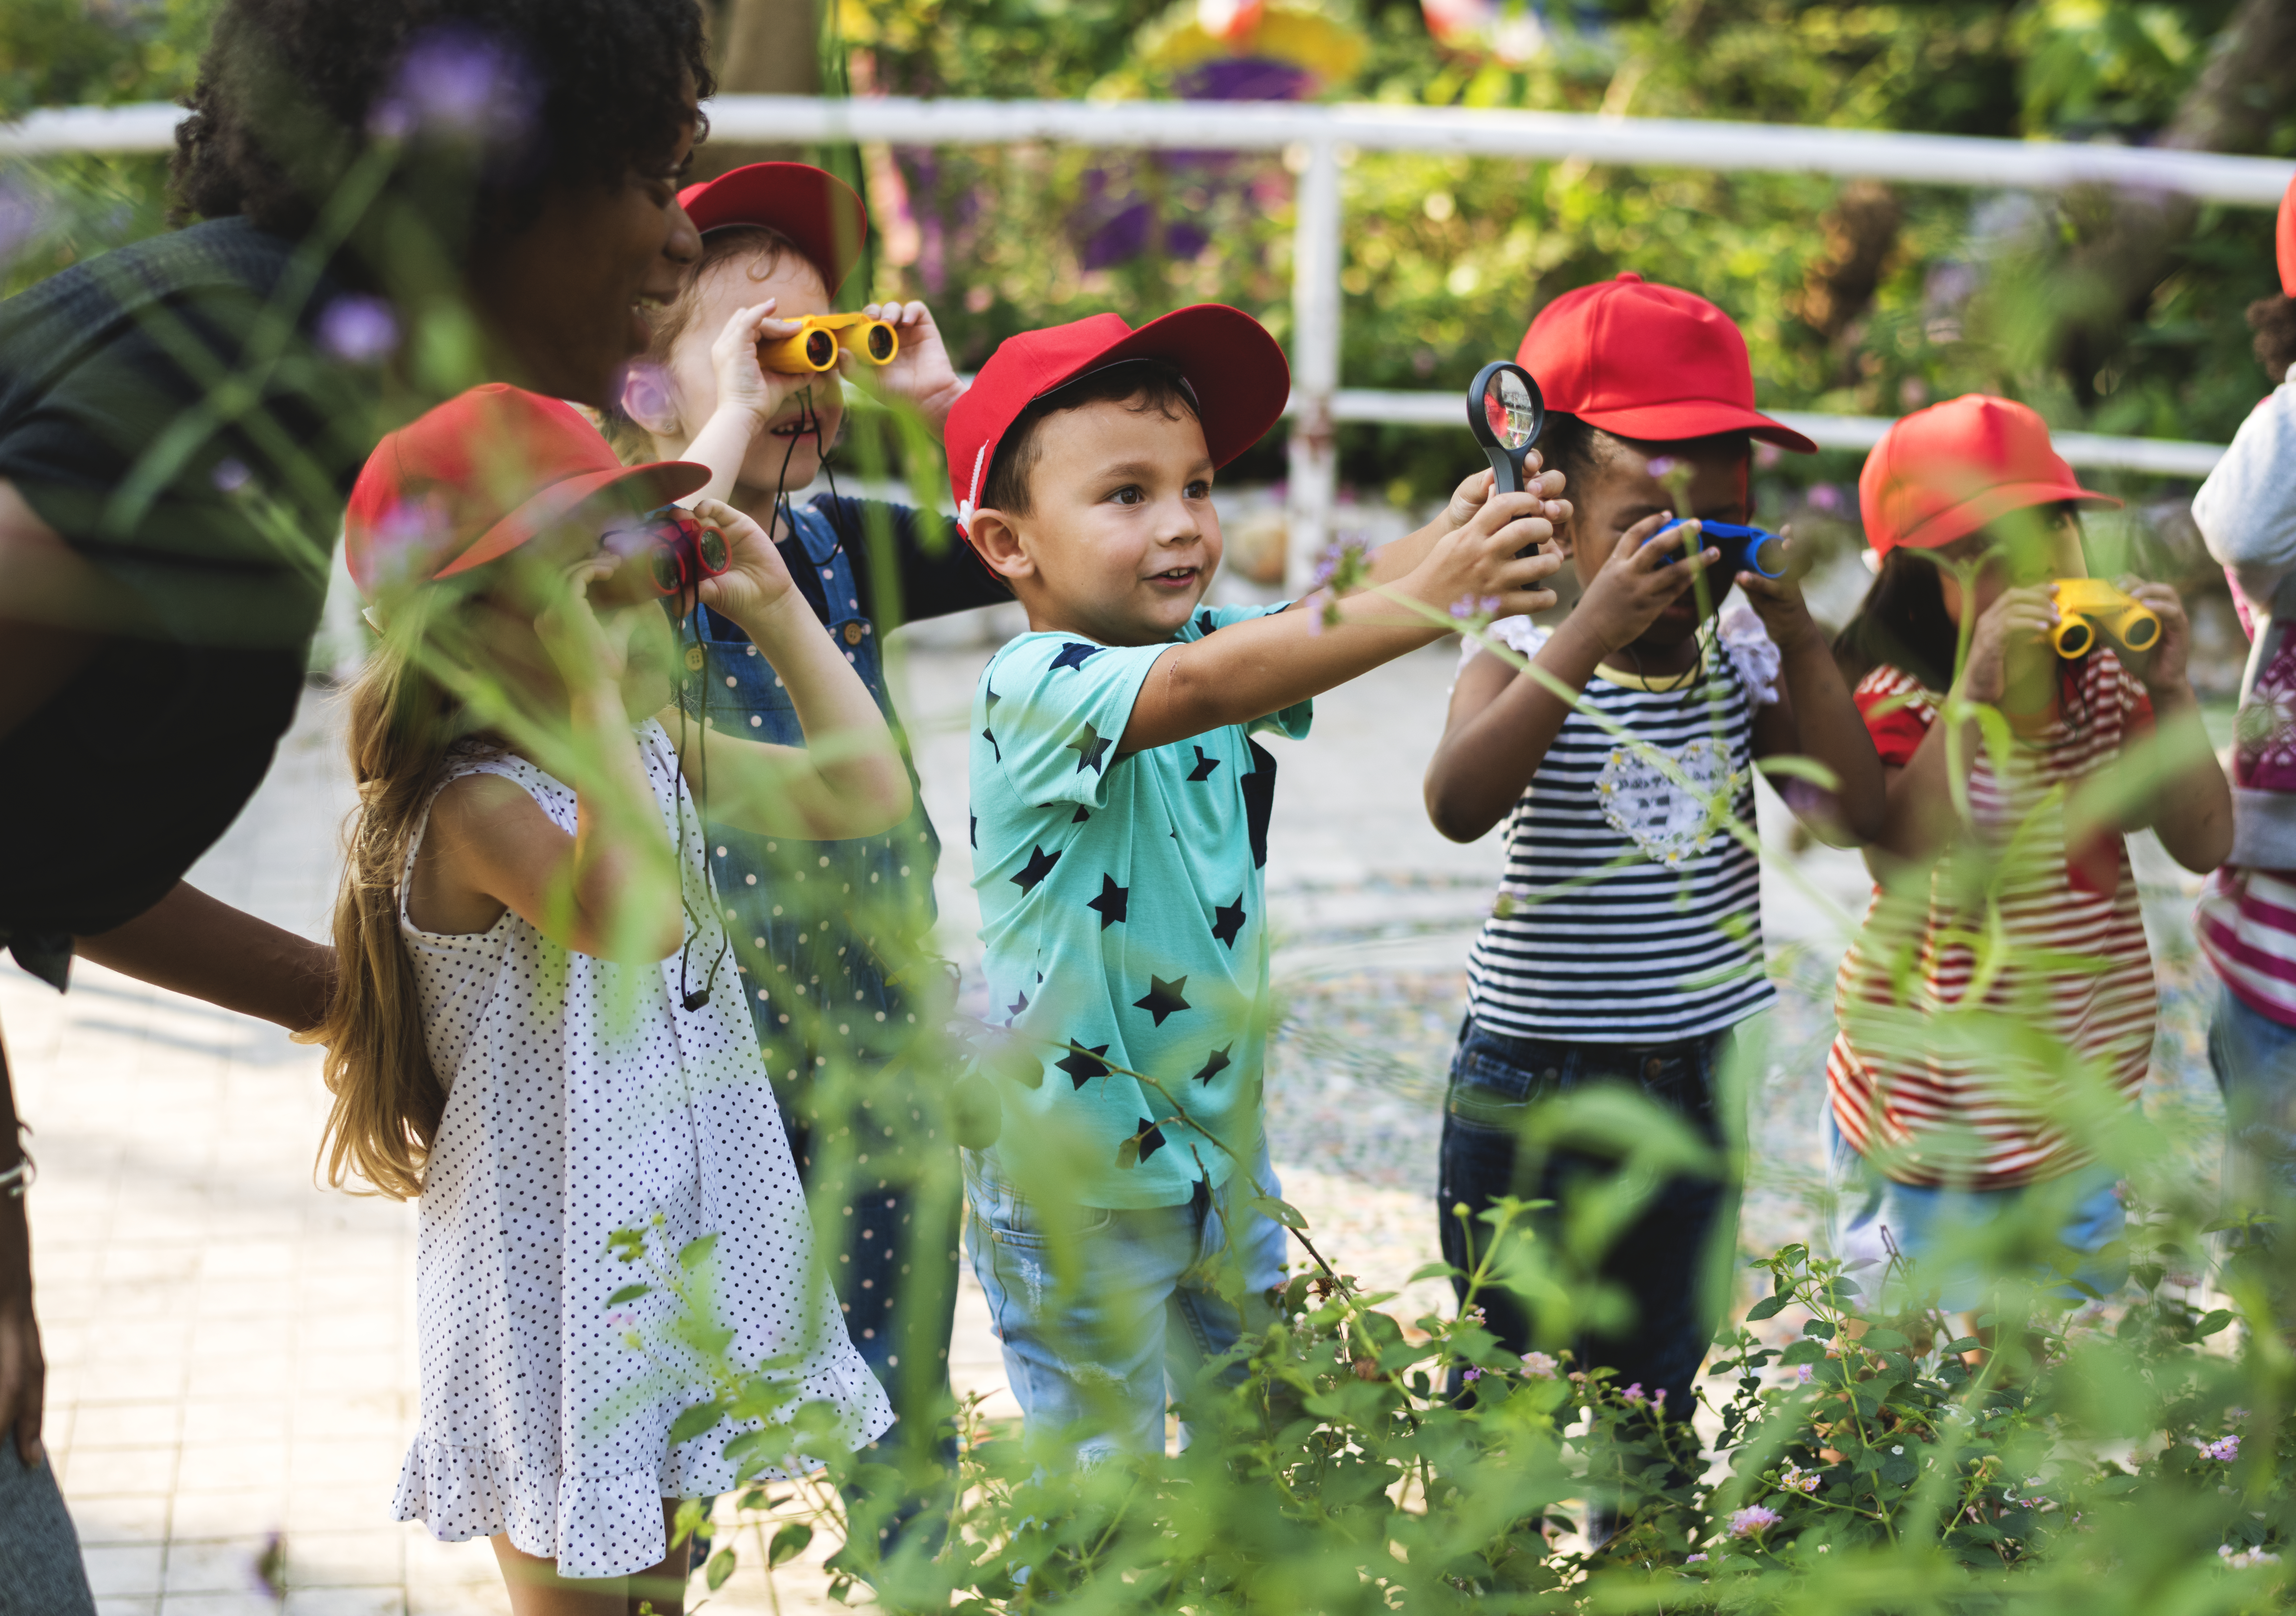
1692,1559
23,216
1753,1520
1658,1398
1464,607
1661,466
1470,1374
1634,1394
2235,1414
230,475
1801,1374
457,82
357,329
1826,497
2224,1450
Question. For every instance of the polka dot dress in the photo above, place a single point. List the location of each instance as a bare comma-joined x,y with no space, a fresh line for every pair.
583,1100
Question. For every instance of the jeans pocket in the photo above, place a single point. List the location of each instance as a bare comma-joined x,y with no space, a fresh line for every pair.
1012,1218
1491,1088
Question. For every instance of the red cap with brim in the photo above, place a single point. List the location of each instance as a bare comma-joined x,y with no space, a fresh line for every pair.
2284,241
1648,361
812,207
474,479
1236,369
1941,473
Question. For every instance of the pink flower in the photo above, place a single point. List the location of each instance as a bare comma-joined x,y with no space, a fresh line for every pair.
1801,1374
1634,1394
1826,497
1661,464
1470,1374
1539,1365
1692,1559
1658,1398
2224,1450
1753,1521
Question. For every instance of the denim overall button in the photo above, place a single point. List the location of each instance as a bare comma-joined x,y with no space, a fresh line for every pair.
693,659
852,634
1653,1067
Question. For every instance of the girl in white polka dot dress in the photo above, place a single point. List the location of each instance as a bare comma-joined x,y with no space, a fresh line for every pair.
537,1029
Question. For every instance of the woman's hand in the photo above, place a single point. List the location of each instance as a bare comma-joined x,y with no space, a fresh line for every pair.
1639,581
2020,619
756,581
923,372
2167,669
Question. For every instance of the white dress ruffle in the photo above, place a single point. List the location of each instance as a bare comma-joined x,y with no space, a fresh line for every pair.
583,1100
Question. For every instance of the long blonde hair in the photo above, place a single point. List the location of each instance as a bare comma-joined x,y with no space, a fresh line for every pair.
388,1100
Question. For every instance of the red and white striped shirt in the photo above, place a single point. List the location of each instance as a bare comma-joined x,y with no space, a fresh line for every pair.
1940,1076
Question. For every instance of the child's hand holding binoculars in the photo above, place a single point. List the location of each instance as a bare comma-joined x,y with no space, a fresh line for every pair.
745,383
1778,601
2165,672
923,372
756,581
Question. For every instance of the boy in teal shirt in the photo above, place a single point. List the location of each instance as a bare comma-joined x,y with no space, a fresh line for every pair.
1120,824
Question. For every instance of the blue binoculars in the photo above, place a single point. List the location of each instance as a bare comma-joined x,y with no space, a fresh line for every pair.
1755,550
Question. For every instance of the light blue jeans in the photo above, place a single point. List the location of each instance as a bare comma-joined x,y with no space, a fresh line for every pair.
2254,1058
1938,1230
1107,1315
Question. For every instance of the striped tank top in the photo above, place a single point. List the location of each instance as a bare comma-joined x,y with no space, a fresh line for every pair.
1629,913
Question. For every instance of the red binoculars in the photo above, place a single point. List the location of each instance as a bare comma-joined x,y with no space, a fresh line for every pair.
680,551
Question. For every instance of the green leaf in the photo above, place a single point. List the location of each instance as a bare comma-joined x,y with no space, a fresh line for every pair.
2209,1323
1127,1153
627,1293
1769,1306
695,1420
697,1252
1800,768
721,1566
788,1543
1281,1212
1879,1340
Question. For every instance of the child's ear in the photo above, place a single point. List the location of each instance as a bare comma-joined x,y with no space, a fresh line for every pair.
649,399
998,543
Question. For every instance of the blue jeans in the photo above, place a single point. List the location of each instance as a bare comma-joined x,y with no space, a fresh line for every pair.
1664,1260
1940,1229
2255,1060
41,1573
1106,1314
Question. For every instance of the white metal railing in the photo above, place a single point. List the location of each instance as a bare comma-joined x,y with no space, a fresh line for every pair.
1319,141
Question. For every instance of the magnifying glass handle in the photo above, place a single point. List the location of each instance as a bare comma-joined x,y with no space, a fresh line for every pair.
1506,470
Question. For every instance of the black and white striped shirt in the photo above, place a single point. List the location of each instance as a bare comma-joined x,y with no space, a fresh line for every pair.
1628,913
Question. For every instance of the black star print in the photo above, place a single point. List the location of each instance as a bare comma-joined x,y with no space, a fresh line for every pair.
1163,998
1088,746
1083,1064
1204,622
1151,1138
1228,921
976,830
1111,902
1204,767
1080,816
1040,865
1074,653
1214,1064
1018,1005
996,749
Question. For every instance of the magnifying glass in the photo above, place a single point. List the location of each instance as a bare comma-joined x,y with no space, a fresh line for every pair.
1507,414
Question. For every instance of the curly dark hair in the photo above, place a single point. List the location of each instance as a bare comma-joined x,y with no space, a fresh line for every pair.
2273,319
290,92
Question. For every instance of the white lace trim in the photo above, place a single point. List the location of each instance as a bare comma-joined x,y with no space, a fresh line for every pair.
1753,655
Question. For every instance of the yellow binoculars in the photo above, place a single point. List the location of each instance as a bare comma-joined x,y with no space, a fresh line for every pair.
819,337
2089,606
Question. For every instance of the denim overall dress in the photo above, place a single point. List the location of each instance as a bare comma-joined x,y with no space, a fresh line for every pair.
832,942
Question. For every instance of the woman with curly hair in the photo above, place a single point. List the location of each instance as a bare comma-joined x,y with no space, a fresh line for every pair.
381,202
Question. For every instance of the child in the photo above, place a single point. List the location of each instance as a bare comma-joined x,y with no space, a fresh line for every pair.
2246,512
1949,1110
538,1029
1629,942
833,938
1119,822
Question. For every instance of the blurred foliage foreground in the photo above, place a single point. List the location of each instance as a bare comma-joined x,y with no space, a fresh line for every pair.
1853,1448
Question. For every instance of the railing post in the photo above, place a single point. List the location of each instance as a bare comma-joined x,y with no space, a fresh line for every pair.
1315,468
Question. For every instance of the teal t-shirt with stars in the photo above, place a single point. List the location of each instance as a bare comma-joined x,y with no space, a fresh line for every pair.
1121,911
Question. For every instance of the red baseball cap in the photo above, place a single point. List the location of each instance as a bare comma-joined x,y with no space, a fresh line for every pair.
1648,361
478,476
1943,473
1237,370
2285,240
810,206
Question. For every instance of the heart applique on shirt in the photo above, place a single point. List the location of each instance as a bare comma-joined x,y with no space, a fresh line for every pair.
1665,822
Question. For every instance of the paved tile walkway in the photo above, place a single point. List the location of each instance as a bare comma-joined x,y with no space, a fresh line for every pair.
234,1374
